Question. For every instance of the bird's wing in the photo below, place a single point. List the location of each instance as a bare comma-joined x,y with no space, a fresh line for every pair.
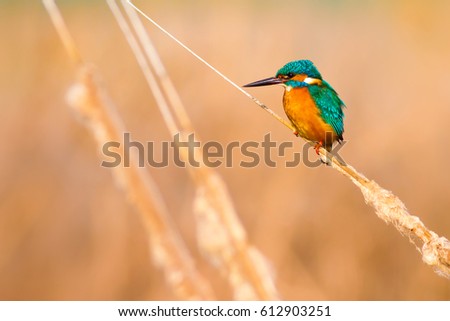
330,106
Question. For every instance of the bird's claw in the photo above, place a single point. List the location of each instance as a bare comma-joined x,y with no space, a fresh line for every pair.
317,147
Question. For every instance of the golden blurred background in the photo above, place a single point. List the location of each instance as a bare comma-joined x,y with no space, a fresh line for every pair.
67,231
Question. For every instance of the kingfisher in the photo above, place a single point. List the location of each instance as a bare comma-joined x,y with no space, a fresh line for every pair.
311,104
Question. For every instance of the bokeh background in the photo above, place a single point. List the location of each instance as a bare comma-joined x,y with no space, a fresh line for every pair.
67,231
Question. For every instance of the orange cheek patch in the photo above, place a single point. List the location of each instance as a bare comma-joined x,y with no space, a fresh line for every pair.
299,78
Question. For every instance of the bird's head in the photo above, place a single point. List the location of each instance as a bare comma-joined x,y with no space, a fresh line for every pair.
298,73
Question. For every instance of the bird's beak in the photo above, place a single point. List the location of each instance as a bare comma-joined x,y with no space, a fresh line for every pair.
265,82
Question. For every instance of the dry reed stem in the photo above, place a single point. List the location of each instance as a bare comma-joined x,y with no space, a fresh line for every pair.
63,32
435,250
90,102
220,234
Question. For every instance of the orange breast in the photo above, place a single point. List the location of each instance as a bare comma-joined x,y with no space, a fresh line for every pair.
305,116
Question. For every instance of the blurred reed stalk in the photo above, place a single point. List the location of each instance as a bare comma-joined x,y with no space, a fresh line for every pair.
435,250
220,235
92,104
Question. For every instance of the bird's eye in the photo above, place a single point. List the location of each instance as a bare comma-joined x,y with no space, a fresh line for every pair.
290,75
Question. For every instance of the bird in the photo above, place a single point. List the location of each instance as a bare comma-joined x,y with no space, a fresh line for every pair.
311,104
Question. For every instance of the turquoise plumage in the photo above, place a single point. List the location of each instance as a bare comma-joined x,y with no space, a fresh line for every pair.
298,67
330,106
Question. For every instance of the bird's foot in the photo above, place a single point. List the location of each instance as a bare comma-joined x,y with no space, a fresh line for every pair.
295,132
317,147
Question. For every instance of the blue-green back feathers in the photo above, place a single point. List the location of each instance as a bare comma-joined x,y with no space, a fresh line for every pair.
330,105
